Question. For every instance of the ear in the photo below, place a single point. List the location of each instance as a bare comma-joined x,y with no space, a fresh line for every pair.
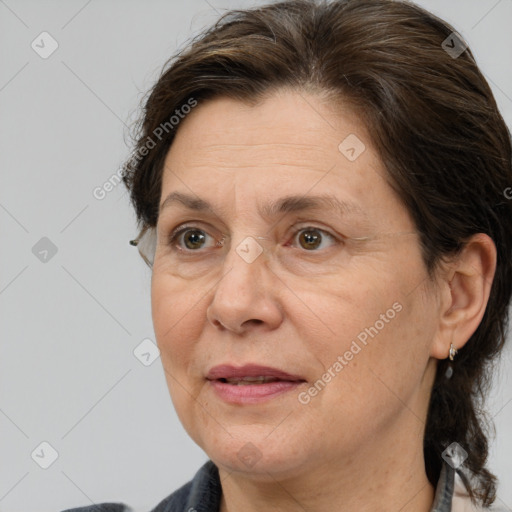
464,285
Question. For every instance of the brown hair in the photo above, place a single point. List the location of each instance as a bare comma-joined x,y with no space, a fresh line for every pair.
432,118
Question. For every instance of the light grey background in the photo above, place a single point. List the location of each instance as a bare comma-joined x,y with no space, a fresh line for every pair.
69,326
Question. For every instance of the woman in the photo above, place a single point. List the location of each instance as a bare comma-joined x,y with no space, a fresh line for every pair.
320,192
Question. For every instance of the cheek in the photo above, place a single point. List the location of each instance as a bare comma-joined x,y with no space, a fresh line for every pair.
178,313
378,319
341,306
376,378
178,319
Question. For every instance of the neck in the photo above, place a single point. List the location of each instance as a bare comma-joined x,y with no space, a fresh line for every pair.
385,476
411,493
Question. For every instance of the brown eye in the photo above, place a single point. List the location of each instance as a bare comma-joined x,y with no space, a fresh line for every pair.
193,238
311,238
189,239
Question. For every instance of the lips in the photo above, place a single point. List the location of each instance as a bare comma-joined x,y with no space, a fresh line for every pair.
251,384
250,374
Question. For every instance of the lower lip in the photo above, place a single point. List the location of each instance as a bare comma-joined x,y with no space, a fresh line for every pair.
252,393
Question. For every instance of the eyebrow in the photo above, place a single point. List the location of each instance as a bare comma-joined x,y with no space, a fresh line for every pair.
286,204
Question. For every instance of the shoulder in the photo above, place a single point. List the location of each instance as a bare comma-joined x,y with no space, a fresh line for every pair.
173,503
203,490
461,501
202,493
101,507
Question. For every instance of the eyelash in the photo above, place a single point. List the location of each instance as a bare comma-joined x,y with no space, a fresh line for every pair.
173,237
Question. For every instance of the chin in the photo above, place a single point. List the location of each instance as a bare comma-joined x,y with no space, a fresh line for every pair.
256,455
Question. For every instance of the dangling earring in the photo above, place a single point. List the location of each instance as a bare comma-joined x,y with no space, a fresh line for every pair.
449,370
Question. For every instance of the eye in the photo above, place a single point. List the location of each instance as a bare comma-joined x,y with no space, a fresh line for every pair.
192,238
311,237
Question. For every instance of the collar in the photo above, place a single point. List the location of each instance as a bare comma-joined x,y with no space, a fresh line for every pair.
203,493
206,491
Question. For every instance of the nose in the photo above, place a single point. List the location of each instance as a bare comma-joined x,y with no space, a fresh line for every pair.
246,296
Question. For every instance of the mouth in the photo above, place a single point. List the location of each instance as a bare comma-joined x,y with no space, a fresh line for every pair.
247,381
251,383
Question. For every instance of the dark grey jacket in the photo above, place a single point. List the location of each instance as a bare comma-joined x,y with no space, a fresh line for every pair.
203,493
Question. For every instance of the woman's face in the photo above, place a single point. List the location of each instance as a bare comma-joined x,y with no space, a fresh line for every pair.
337,297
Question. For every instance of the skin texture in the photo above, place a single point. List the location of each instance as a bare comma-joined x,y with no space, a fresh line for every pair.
357,444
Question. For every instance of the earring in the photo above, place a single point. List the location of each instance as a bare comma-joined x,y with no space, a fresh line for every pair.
449,371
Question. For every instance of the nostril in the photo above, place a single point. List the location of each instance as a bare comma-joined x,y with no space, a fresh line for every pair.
255,321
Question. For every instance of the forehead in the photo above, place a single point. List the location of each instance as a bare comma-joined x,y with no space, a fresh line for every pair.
288,129
291,143
285,121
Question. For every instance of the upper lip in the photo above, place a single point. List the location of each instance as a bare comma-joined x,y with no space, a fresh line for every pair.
227,371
